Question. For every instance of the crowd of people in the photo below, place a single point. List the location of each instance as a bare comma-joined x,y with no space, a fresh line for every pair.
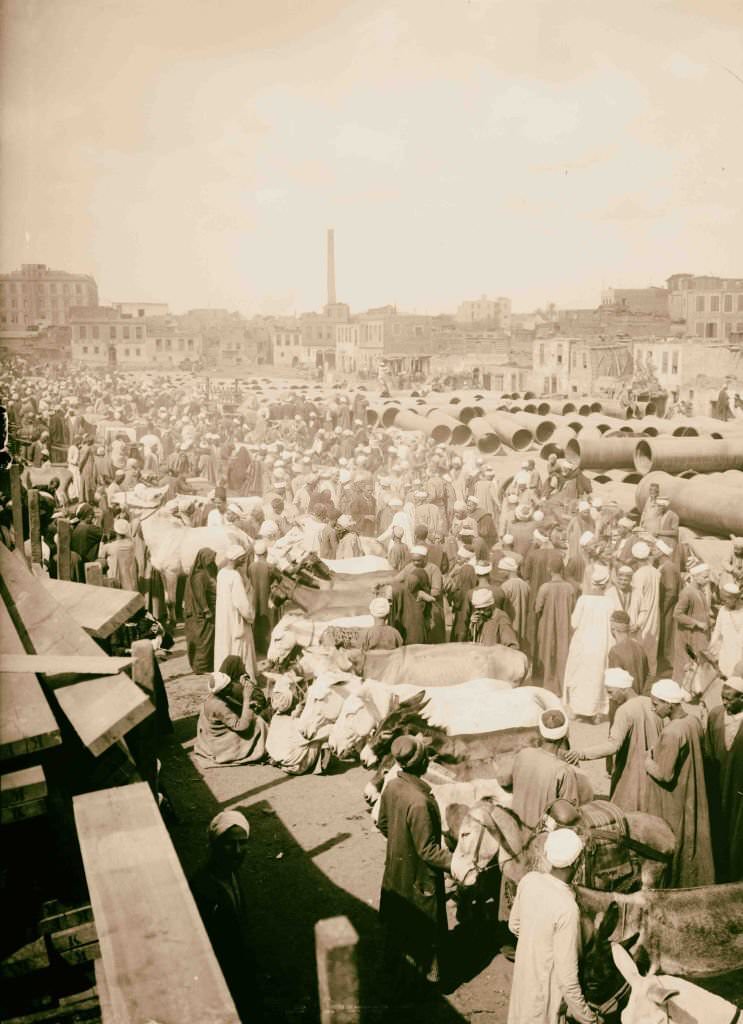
613,610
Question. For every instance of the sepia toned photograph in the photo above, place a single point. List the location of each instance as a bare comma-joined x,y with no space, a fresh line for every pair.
371,512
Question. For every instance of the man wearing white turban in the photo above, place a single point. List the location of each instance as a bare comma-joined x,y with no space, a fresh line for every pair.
725,747
381,636
546,918
691,617
234,613
588,653
644,605
677,789
223,908
726,642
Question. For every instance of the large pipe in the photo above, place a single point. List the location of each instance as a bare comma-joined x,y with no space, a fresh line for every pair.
701,504
406,420
541,428
676,454
512,433
488,441
388,415
459,433
557,443
556,407
609,408
608,453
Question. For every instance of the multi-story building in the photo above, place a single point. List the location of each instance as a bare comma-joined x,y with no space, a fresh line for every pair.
171,342
102,336
37,296
709,307
693,369
573,366
347,338
287,348
494,312
141,309
652,301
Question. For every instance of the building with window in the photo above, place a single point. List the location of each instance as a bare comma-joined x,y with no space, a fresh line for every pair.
171,342
572,366
710,307
37,296
652,301
139,310
101,336
494,312
287,346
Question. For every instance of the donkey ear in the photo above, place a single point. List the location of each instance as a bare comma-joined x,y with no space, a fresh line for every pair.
625,964
608,922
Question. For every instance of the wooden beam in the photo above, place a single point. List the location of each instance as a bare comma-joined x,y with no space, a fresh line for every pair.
64,560
63,664
158,962
336,943
57,922
100,710
34,526
16,494
22,794
99,611
26,720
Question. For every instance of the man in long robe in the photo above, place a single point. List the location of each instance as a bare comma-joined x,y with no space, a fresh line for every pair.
546,919
677,790
261,575
628,653
726,642
644,609
539,776
670,583
589,648
691,617
516,594
724,745
489,624
634,732
536,570
553,609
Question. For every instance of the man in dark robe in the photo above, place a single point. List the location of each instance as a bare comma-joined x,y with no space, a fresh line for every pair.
199,602
691,618
489,624
670,584
86,538
628,653
553,608
412,904
724,747
458,587
536,570
677,790
262,576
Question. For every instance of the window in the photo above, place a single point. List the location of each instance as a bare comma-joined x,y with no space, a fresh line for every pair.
96,349
740,303
85,349
95,331
158,343
699,331
125,332
112,333
190,342
278,341
168,343
675,361
664,363
541,355
728,328
137,351
83,331
728,305
714,303
126,352
711,331
138,332
700,303
559,354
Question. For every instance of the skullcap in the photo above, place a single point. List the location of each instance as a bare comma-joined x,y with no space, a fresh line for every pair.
667,690
122,527
618,678
508,565
507,538
483,568
260,547
640,550
380,607
699,569
419,551
600,574
234,553
226,820
268,528
735,683
553,724
482,598
562,847
731,588
345,521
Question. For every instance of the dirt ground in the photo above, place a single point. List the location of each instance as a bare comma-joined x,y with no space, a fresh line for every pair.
315,854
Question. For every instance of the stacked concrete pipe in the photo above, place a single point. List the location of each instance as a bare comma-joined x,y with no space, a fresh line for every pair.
603,454
677,454
703,504
459,433
488,442
509,431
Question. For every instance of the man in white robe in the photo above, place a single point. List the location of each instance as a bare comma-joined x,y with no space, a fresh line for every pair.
726,642
234,615
644,606
584,690
546,919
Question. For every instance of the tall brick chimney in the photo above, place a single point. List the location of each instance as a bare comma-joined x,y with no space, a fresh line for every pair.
331,267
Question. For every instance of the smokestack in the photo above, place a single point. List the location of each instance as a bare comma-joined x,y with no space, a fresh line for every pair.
331,267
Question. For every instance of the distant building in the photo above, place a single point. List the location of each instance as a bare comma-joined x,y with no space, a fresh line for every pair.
101,336
572,366
36,295
710,307
51,344
287,347
693,369
652,301
496,312
138,310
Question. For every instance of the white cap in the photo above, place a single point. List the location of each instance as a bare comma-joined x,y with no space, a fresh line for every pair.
226,820
507,538
735,683
260,547
508,565
585,539
626,523
483,568
584,506
268,529
538,515
419,550
395,502
460,506
379,607
667,690
553,732
640,550
540,537
600,574
482,598
563,847
699,569
122,527
234,553
728,588
345,521
618,679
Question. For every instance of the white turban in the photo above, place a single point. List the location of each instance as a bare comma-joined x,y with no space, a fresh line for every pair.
508,565
563,847
585,539
731,588
600,574
640,550
699,569
618,679
380,607
268,529
483,568
345,521
122,528
218,682
226,820
482,598
507,538
667,690
553,732
419,551
735,683
234,553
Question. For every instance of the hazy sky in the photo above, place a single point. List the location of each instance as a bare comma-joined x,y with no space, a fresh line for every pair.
195,151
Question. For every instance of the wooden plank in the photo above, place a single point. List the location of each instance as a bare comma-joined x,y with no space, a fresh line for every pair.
98,611
75,1013
34,526
336,943
63,664
26,784
26,720
17,499
158,961
13,813
65,919
64,560
93,574
100,710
